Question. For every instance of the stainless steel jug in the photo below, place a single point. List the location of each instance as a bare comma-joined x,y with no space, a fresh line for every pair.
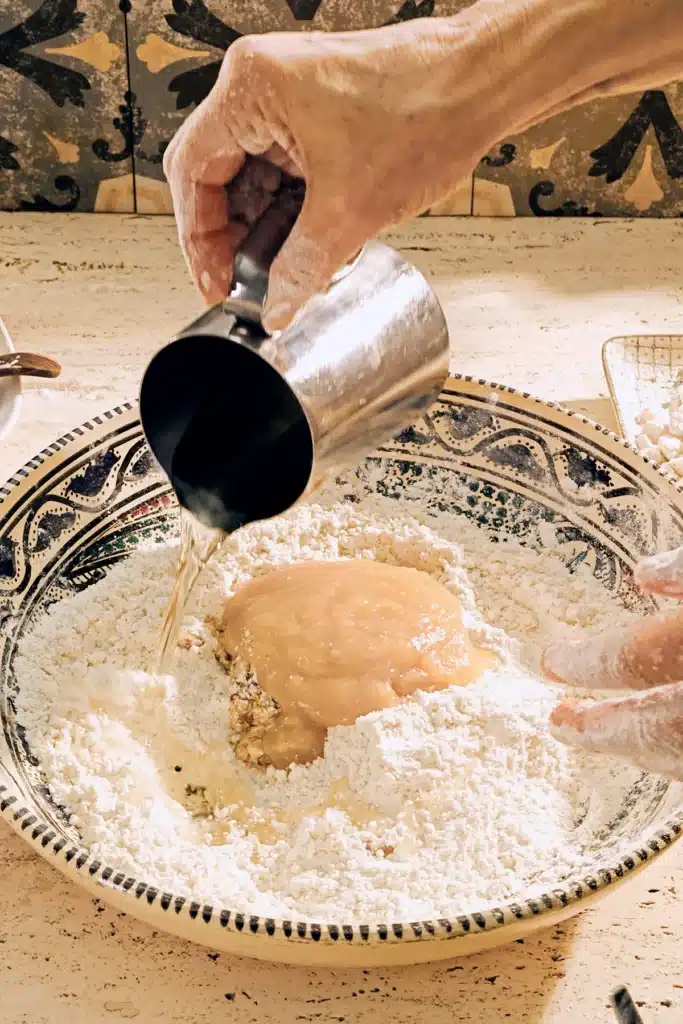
245,424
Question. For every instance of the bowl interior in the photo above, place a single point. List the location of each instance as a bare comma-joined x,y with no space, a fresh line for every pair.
515,467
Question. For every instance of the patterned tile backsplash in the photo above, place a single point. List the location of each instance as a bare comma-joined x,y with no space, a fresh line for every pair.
91,92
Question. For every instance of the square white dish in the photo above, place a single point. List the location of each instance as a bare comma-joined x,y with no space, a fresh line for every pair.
641,371
10,389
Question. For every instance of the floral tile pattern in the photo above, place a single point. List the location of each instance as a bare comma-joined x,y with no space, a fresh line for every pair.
64,138
620,157
176,48
92,91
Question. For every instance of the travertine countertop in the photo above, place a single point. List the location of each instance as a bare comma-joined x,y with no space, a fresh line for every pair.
529,304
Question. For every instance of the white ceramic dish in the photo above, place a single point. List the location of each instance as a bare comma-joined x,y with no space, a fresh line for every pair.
513,465
10,389
640,370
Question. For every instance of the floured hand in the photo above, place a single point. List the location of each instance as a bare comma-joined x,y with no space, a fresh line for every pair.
645,727
365,118
383,123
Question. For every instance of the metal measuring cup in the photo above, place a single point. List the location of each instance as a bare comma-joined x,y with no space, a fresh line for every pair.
245,424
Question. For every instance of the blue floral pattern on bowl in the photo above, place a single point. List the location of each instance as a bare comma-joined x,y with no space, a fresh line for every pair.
515,466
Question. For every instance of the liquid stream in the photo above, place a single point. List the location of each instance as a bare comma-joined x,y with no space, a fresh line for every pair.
198,544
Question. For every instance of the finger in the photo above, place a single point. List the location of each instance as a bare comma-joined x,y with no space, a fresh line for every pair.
251,191
645,729
317,246
630,657
278,156
210,243
662,574
204,158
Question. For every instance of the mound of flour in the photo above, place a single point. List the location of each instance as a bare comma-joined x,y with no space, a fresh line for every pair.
454,800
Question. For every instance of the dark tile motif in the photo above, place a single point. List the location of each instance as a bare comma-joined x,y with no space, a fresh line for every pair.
64,135
93,90
176,48
620,157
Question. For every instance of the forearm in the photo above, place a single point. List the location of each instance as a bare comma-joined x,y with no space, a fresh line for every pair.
641,47
528,60
568,52
382,122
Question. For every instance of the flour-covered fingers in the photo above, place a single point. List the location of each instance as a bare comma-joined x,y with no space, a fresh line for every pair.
632,657
646,654
645,729
662,574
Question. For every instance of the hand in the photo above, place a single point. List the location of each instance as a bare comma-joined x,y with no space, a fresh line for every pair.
380,124
644,728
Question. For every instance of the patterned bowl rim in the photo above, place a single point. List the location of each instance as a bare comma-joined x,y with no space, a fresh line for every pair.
560,900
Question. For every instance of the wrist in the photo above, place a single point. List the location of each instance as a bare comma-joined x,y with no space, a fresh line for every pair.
515,62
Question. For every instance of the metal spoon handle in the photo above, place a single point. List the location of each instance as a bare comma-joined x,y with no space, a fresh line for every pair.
624,1007
26,364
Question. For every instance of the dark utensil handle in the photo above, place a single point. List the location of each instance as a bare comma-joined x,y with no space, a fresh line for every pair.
28,364
625,1008
269,233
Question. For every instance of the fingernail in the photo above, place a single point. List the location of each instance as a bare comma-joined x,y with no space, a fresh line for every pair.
641,729
276,305
280,306
213,286
205,283
564,723
574,725
276,317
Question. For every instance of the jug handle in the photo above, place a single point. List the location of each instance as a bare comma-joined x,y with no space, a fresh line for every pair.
258,250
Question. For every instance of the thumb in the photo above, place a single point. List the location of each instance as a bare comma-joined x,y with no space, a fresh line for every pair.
645,729
306,263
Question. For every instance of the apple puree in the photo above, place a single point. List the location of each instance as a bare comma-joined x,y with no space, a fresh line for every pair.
331,641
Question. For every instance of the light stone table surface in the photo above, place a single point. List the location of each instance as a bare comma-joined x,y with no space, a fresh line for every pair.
529,304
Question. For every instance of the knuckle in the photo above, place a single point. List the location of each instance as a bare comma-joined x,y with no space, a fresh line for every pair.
174,156
237,52
179,161
168,160
246,57
254,62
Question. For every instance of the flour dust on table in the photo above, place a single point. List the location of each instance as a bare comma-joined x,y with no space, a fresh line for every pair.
447,802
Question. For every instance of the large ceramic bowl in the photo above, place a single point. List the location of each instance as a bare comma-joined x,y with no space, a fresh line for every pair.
505,460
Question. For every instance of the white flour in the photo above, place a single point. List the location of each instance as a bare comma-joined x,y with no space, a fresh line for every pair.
661,431
454,800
